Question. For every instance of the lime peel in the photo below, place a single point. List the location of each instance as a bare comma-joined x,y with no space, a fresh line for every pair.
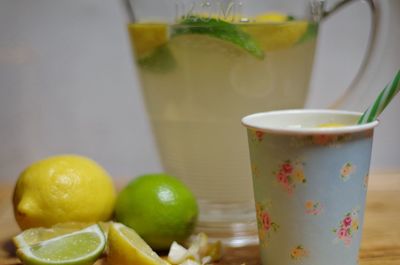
171,217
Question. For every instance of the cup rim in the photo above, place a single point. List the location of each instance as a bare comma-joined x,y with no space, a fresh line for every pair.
248,121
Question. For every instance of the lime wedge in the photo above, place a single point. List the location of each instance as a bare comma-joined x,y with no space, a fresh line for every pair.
125,246
35,235
219,29
80,247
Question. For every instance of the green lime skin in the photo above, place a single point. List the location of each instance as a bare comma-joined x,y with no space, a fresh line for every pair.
159,207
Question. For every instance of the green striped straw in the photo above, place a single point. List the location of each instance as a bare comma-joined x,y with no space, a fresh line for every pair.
381,101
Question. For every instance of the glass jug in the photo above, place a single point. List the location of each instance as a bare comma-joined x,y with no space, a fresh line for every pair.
205,64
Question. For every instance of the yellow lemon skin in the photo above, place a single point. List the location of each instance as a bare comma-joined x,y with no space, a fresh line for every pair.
147,37
125,246
66,188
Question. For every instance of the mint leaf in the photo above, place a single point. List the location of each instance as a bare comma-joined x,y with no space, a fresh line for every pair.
219,29
159,61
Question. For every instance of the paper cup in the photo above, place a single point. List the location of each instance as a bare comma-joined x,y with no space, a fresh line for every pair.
310,184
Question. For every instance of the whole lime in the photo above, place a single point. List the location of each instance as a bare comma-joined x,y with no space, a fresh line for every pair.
159,207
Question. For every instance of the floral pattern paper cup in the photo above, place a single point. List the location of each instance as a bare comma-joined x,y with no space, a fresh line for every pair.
309,184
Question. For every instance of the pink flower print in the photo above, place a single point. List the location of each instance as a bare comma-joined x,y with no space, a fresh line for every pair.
347,221
342,233
347,228
323,139
289,174
281,177
287,168
260,135
265,223
346,171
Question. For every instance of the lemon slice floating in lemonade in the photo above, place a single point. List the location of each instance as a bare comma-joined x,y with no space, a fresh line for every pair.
276,31
147,37
263,33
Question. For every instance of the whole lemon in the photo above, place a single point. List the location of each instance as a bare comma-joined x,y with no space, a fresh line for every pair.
159,207
66,188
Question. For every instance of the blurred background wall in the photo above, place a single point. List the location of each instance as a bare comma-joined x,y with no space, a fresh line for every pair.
68,85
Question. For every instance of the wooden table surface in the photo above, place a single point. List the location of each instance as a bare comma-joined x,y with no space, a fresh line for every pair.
380,244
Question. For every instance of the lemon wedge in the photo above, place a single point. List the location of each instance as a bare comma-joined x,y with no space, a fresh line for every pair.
125,246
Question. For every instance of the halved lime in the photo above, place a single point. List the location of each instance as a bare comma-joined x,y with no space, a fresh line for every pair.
76,248
125,246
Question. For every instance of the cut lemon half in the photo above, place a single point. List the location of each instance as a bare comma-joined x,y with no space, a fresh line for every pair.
76,248
125,246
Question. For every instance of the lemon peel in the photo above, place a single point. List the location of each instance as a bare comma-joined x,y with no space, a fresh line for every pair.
59,189
125,246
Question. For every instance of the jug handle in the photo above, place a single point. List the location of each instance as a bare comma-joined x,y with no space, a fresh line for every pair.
350,95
